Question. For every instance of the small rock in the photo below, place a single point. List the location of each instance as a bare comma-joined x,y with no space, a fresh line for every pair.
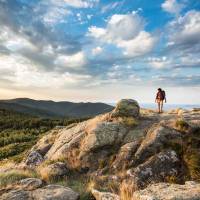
53,171
54,192
104,195
34,159
30,183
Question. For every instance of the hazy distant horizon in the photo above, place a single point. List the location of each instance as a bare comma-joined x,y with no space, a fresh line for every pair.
167,106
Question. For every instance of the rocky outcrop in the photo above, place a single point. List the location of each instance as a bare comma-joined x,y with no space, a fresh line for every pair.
31,189
125,146
83,145
156,169
166,191
157,138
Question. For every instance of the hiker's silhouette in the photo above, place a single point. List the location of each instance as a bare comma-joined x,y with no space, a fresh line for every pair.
160,98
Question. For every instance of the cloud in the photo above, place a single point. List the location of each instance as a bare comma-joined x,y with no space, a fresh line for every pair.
126,32
159,62
26,74
176,80
77,60
96,51
185,30
81,3
55,15
172,6
111,6
140,45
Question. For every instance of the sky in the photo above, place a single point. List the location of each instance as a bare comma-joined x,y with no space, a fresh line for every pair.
100,50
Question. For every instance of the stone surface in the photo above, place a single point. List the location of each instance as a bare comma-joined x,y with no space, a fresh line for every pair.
126,108
34,158
28,190
166,191
104,195
156,169
30,183
54,192
157,138
80,144
53,171
16,195
125,155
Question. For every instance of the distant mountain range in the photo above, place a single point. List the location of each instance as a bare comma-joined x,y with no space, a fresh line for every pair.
52,109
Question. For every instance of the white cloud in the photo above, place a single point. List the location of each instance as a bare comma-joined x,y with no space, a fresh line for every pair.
140,45
185,29
159,63
111,6
77,60
14,41
26,74
126,32
81,3
55,15
97,51
172,6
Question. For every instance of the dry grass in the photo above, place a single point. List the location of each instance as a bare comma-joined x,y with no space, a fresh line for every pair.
126,190
13,176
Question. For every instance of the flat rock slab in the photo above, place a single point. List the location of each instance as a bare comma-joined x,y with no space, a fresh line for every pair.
166,191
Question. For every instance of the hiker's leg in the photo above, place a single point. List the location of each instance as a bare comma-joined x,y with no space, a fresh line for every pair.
161,106
158,106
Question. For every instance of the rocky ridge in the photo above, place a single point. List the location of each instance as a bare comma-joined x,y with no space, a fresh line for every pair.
129,146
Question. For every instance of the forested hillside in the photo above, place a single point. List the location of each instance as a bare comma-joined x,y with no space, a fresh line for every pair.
19,132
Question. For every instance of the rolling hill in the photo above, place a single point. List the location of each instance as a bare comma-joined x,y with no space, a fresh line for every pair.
52,109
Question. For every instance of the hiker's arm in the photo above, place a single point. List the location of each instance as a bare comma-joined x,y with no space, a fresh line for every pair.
165,99
156,98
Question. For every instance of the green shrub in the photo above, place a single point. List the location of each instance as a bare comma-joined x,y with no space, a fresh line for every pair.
182,125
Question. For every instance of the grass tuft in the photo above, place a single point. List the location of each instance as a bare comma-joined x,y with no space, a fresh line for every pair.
13,176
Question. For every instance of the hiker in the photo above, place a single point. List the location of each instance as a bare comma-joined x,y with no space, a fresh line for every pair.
160,97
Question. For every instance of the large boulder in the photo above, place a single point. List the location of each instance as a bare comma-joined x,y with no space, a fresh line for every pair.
15,195
126,108
156,169
166,191
158,138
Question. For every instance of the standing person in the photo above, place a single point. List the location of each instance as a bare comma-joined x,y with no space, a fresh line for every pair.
160,97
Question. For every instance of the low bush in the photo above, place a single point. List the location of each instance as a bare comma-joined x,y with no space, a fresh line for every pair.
182,125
